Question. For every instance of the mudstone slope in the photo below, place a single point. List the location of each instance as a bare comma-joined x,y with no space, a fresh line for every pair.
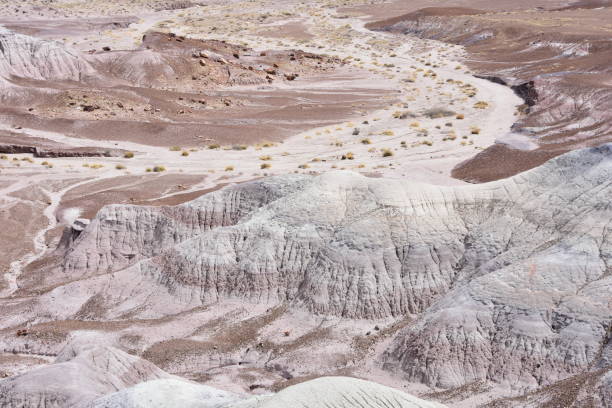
510,280
105,377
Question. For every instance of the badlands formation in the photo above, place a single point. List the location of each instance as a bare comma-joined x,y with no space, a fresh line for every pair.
265,204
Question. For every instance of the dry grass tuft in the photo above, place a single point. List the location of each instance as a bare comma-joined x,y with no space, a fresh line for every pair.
387,153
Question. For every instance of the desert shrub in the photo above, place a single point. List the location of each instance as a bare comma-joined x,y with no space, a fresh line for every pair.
437,113
175,149
229,168
128,155
120,167
387,152
265,166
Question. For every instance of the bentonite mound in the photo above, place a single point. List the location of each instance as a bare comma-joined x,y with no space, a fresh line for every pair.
324,392
512,279
77,376
166,393
105,377
337,392
28,57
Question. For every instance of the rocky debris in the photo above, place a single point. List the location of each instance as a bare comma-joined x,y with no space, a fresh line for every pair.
72,232
176,5
526,90
44,152
90,108
592,389
213,56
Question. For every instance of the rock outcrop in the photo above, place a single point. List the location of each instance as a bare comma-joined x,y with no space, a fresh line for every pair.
32,58
511,280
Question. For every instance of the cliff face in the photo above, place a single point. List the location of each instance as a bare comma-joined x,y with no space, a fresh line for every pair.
511,279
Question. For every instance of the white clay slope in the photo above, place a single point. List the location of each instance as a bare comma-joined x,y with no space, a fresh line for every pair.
28,57
511,279
105,377
325,392
337,392
166,393
74,379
